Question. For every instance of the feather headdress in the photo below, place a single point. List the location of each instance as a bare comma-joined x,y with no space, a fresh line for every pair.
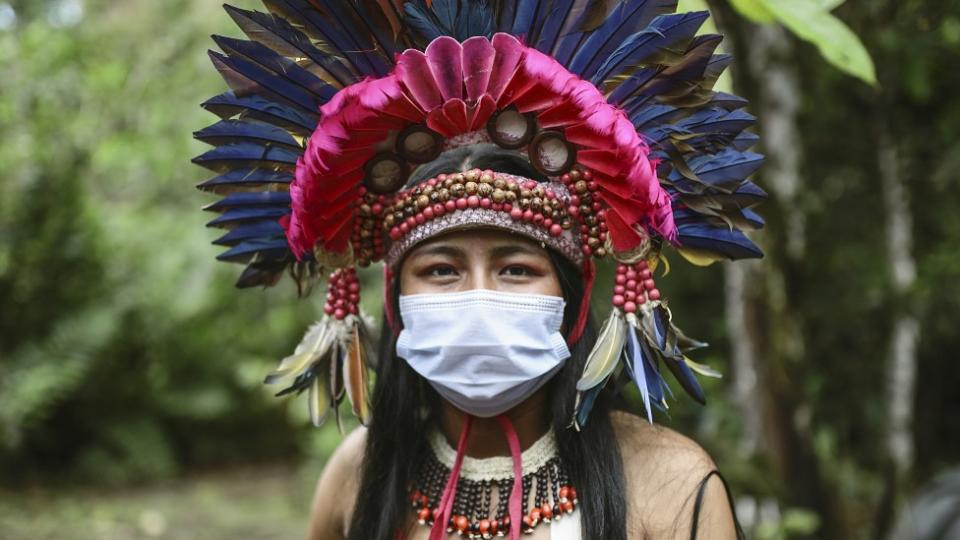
333,102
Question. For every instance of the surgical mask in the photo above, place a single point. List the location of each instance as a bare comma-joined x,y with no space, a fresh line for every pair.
483,351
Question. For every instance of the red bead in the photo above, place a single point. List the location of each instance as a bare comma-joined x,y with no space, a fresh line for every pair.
631,285
587,251
339,314
618,300
516,214
630,296
565,492
423,515
485,203
538,219
473,201
556,230
567,507
546,512
328,308
565,178
530,184
587,174
620,279
461,523
631,274
432,182
646,273
621,269
420,218
654,294
592,186
376,209
648,284
573,493
404,228
450,205
439,209
395,233
529,522
574,211
507,207
461,203
575,200
484,526
619,289
630,307
428,212
528,215
547,223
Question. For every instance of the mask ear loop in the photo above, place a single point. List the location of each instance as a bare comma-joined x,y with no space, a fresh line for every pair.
589,275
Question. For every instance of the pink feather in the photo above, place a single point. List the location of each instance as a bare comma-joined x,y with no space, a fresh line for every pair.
445,57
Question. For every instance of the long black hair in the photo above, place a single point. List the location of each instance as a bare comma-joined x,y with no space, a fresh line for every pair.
406,408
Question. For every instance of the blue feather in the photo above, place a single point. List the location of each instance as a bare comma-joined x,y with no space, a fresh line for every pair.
722,241
250,155
268,229
683,216
243,252
333,26
556,14
240,178
277,65
246,78
686,378
281,34
666,31
229,105
637,371
724,170
461,19
233,131
526,20
745,141
231,218
586,404
684,77
476,19
727,101
241,199
628,18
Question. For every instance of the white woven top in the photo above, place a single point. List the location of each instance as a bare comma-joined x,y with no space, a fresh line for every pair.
495,468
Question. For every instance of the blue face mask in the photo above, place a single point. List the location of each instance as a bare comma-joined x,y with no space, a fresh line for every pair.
484,351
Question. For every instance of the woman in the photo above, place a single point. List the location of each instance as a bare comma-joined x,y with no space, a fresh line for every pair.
488,172
651,483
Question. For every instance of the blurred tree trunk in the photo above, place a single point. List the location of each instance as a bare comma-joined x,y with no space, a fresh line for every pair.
770,348
901,368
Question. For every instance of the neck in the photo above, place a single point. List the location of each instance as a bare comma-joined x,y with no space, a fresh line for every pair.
486,438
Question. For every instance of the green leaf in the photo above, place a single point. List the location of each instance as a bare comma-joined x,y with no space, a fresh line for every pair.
827,5
832,37
755,10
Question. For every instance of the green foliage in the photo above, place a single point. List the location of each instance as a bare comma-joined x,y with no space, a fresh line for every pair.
812,21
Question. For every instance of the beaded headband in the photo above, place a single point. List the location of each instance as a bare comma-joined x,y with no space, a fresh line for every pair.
333,103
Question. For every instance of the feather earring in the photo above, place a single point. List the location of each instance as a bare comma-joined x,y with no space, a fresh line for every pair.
332,359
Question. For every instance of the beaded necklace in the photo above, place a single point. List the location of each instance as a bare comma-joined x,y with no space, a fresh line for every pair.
480,506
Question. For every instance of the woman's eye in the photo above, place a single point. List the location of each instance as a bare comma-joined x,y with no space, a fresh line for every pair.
516,271
441,271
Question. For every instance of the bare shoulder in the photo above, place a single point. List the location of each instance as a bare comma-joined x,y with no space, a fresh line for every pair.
664,471
337,489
